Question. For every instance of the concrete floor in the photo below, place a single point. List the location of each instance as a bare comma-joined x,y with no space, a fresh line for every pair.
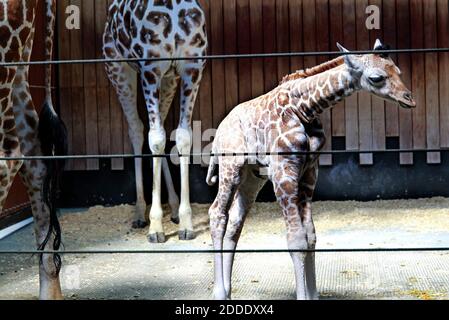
412,223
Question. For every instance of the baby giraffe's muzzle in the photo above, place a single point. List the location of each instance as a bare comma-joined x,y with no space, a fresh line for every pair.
407,101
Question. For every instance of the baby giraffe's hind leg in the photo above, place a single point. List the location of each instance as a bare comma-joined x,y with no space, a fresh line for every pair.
307,187
243,201
229,176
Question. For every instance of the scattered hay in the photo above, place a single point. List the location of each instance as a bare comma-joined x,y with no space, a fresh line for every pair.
423,294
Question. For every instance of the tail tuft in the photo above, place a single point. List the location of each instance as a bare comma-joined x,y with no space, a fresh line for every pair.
53,139
52,133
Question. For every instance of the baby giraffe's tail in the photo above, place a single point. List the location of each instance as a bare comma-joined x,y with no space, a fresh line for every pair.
211,179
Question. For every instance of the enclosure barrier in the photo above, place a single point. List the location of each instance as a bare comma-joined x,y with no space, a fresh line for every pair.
132,156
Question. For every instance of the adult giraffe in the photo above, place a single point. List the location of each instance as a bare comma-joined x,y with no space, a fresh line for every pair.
158,29
287,120
24,133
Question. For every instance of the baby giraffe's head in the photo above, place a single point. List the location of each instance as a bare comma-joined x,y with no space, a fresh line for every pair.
378,74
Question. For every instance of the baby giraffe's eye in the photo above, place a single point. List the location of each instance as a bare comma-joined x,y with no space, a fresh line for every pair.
376,80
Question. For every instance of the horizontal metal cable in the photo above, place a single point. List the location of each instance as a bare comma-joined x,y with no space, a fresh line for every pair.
227,56
234,154
74,252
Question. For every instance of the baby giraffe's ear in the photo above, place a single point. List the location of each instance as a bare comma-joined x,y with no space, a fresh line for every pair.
378,45
350,59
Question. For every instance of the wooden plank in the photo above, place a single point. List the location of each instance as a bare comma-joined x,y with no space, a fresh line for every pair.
205,96
365,114
90,89
322,41
116,135
378,104
256,21
77,97
418,78
269,34
218,72
65,76
432,99
35,72
244,46
296,33
104,127
196,117
116,127
309,29
443,42
405,116
351,108
171,121
230,47
389,28
127,146
197,123
175,112
283,37
336,35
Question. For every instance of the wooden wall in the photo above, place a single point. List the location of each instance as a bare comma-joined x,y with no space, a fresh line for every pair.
89,106
96,125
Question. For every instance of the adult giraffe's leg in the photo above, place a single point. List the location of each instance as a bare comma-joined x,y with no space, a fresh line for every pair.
244,198
307,187
286,186
124,80
33,174
22,115
218,213
191,77
151,84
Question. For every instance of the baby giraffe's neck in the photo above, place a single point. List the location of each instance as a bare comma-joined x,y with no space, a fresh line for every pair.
313,95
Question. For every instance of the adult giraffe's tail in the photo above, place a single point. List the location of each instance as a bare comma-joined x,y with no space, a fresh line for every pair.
53,139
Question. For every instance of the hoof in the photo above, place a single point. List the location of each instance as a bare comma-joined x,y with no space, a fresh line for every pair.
156,237
175,220
139,224
186,235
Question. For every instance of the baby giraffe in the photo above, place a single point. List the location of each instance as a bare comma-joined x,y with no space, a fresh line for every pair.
287,120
